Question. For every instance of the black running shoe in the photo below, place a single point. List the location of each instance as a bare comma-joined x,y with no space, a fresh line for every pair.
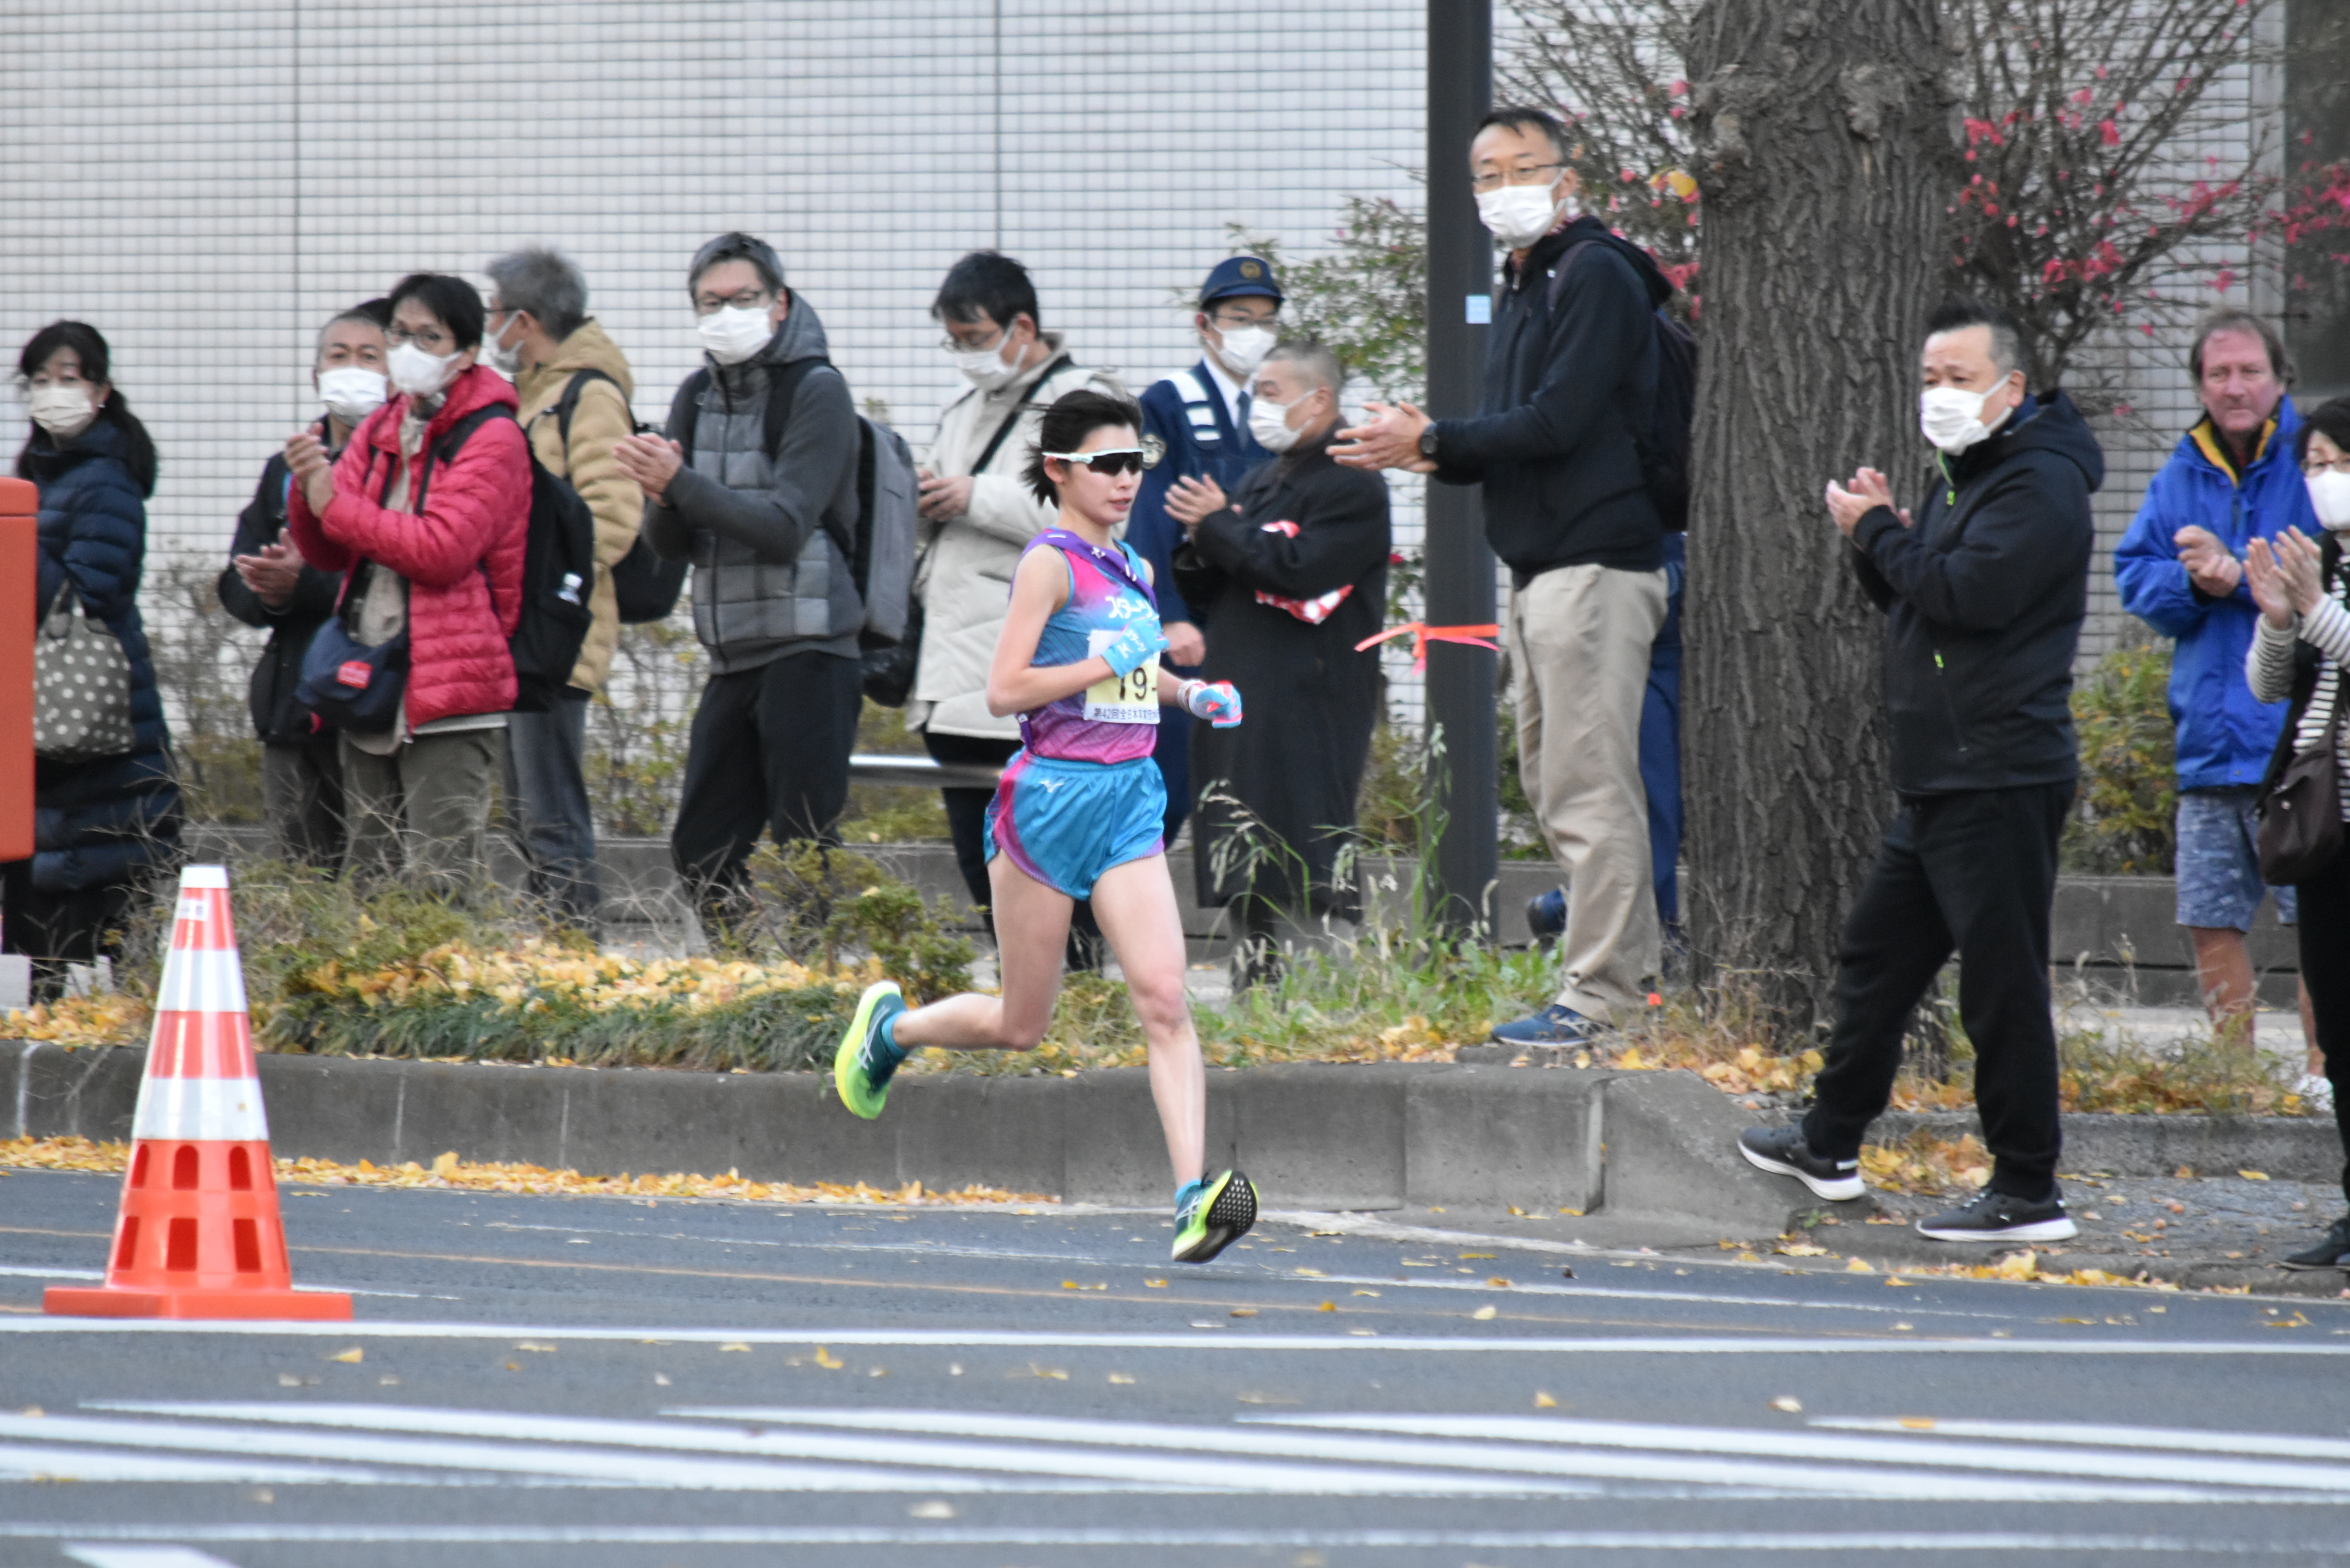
1783,1152
1996,1217
2334,1253
1219,1214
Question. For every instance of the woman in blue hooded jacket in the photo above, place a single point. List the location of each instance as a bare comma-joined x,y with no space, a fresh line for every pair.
99,824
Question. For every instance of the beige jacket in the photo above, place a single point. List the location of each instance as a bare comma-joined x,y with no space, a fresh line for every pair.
966,583
602,418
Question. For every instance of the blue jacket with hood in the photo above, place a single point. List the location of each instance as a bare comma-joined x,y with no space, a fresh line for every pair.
2224,736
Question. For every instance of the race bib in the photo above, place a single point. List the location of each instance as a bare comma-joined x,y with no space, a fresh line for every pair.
1129,699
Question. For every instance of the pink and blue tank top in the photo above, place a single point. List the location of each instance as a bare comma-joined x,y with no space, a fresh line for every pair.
1114,720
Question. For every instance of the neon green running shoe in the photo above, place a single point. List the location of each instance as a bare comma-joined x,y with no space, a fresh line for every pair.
1219,1214
865,1063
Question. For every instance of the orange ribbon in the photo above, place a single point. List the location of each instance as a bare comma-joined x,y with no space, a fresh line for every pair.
1423,634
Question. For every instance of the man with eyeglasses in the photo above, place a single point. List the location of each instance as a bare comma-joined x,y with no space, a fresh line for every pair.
756,483
1196,424
1571,364
978,516
2180,568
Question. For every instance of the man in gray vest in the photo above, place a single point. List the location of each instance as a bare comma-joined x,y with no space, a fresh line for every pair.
756,486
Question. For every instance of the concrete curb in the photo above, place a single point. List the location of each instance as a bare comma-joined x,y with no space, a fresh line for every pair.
2290,1148
1374,1137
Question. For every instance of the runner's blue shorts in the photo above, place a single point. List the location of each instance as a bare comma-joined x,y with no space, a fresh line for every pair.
1065,823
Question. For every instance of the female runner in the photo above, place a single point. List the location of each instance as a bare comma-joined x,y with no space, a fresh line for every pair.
1077,814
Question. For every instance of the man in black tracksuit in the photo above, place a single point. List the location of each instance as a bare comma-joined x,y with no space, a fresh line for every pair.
1983,597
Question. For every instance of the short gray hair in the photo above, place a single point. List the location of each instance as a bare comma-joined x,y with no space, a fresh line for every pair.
543,283
1316,361
373,313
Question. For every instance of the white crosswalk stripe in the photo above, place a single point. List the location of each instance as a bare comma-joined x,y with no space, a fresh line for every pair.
760,1450
95,1555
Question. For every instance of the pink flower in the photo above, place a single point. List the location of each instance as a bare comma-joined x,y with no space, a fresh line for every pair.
2108,134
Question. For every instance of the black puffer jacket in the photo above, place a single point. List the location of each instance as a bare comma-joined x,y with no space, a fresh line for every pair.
1983,601
1553,440
103,822
278,718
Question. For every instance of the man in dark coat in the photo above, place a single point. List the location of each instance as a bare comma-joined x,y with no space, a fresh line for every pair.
268,586
1290,574
1984,593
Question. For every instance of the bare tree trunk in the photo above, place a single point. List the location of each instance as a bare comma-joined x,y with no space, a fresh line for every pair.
1826,154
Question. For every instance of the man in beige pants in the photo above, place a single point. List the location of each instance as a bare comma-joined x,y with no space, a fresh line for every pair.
1571,364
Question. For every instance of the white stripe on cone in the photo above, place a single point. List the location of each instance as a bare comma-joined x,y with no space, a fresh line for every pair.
202,980
224,1110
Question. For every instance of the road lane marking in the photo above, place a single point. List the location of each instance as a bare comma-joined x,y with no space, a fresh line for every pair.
1259,1273
92,1556
1159,1473
1804,1445
939,1536
572,1465
1338,1339
30,1461
2183,1438
1748,1476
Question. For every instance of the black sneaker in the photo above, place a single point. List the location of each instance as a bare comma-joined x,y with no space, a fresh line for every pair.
1996,1217
2334,1253
1783,1152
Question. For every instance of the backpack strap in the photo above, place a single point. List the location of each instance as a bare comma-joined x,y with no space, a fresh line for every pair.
567,404
1011,421
444,451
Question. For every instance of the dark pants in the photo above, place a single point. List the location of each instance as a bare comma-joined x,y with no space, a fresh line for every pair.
57,928
301,796
1661,741
1974,872
1172,752
967,827
2324,936
547,808
769,749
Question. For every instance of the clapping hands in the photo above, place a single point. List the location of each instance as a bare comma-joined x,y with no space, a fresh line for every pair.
2285,576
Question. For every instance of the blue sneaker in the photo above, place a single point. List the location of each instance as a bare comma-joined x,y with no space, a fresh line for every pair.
1554,1025
1546,914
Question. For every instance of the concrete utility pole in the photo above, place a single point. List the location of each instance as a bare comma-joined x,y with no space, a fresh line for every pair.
1459,690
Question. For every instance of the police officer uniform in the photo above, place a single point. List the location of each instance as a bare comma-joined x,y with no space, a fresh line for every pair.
1194,425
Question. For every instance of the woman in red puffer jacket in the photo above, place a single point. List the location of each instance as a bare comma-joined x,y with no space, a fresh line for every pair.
450,574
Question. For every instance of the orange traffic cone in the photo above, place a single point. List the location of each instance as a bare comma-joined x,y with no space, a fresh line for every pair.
200,1235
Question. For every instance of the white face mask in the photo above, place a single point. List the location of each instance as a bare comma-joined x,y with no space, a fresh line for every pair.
1245,349
1521,214
503,360
1269,423
986,369
1951,418
419,374
63,411
734,333
351,392
2329,494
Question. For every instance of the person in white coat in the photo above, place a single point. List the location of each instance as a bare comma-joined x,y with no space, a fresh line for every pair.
978,514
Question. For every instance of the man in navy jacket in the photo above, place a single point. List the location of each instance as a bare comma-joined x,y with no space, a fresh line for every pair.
2231,480
1983,594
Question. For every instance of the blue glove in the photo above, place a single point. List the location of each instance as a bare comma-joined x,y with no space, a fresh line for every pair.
1131,649
1217,702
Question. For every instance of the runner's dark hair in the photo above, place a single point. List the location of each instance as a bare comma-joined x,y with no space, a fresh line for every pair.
1073,417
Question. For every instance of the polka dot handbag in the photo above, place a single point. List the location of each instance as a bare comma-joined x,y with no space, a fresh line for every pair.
81,686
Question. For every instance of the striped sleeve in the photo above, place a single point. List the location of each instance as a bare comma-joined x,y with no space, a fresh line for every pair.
2268,663
2328,627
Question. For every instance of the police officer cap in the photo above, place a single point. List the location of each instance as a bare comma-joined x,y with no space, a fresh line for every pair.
1237,276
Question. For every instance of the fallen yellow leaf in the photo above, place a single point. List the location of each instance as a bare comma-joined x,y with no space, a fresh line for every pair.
823,1356
2253,1174
549,1350
1328,1306
1119,1377
1789,1404
1857,1267
1243,1312
1917,1423
1543,1401
1802,1250
1485,1313
1155,1284
350,1357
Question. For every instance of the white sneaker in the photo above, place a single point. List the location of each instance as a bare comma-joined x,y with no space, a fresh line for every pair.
2316,1092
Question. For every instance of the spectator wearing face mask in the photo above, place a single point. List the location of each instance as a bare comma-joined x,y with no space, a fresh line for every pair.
575,387
2231,479
2299,649
267,585
756,483
1291,571
99,824
431,544
1983,593
978,516
1196,424
1571,370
